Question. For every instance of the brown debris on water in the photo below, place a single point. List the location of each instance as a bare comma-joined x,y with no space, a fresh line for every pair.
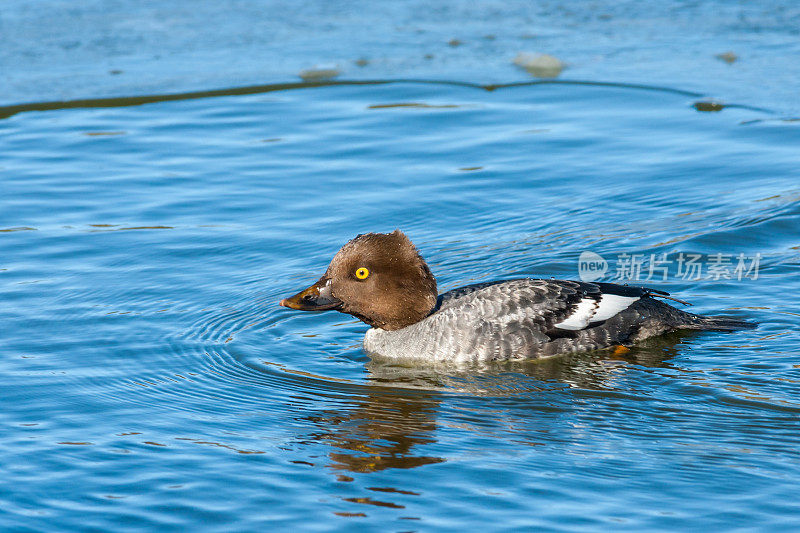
728,57
708,106
319,73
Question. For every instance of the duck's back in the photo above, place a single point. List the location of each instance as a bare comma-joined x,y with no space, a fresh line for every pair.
531,318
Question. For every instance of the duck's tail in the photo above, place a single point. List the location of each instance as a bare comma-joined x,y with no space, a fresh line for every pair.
686,320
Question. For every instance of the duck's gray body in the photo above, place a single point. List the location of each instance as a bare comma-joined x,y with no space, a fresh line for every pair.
534,318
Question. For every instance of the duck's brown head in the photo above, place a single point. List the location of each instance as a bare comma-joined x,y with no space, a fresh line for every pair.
378,278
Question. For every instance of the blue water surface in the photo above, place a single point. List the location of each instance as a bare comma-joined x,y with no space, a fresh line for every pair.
151,381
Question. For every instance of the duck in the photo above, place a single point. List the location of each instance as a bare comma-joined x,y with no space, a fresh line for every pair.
382,280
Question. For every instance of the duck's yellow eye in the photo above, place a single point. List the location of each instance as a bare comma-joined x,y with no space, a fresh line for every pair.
362,273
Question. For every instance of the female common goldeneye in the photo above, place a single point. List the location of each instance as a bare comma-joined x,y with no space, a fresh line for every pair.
381,279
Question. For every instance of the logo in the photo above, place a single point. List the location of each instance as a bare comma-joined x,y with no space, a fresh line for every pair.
591,266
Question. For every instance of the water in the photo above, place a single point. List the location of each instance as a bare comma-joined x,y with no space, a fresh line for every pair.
150,380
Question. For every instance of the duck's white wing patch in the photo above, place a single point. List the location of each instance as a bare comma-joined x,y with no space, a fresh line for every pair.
581,316
611,304
590,310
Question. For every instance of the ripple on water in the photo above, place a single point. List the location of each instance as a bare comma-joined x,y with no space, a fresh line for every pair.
152,380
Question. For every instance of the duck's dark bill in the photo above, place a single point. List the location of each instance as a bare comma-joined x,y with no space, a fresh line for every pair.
315,298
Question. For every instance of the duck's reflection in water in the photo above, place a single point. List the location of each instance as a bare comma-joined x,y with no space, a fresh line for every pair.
382,431
390,425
